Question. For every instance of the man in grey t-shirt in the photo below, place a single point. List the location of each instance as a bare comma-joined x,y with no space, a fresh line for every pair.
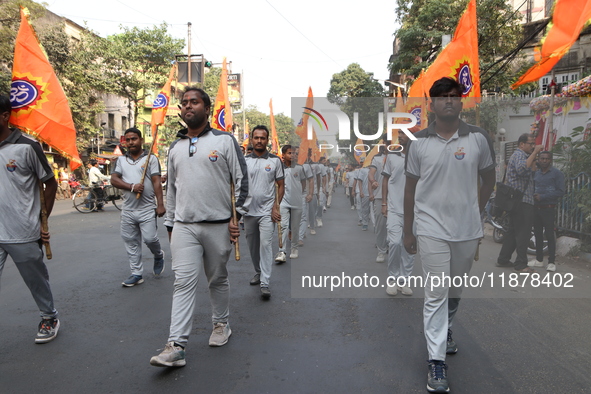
138,216
443,167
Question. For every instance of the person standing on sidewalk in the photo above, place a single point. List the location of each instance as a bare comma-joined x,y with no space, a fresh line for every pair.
520,176
138,216
202,164
21,235
443,167
95,176
548,189
264,171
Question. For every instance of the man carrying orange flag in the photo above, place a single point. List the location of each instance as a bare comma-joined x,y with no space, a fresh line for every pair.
20,227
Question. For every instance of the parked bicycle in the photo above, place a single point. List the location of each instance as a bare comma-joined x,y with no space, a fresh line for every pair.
501,224
87,200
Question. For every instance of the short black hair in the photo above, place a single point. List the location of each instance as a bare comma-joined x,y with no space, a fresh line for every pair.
523,138
249,147
5,105
261,127
133,130
93,162
445,85
547,152
204,96
284,148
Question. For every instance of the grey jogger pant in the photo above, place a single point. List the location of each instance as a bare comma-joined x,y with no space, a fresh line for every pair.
136,225
290,219
28,258
259,237
198,247
450,259
380,227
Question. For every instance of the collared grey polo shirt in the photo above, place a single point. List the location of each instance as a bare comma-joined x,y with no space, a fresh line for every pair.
378,163
446,196
293,196
363,177
23,164
263,172
130,172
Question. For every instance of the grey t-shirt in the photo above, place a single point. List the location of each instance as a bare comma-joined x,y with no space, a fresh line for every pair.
20,205
394,170
292,198
378,163
363,177
263,172
446,196
131,172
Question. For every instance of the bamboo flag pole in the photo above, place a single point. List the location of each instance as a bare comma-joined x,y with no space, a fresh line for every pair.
234,220
147,163
279,231
44,224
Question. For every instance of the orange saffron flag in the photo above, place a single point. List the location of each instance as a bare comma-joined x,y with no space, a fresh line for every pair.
302,127
459,59
274,138
222,112
39,104
567,24
416,103
159,108
246,136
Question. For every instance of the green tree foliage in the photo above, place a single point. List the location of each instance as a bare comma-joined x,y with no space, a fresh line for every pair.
424,22
283,123
136,60
356,91
10,20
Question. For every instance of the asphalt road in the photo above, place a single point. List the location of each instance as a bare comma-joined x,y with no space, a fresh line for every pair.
303,340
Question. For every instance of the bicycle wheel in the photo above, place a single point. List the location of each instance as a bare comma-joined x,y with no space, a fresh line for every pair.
85,201
117,203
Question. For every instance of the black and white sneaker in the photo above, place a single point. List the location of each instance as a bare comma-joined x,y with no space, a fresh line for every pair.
47,330
452,348
437,377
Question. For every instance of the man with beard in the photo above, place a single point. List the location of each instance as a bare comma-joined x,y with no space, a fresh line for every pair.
138,216
201,165
443,167
264,171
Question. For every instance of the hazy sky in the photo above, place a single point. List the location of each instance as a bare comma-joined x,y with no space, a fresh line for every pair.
281,47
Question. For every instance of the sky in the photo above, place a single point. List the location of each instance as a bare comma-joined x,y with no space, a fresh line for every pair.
281,47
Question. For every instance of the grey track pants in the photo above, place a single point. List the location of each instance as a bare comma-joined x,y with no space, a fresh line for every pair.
28,258
198,247
259,237
136,225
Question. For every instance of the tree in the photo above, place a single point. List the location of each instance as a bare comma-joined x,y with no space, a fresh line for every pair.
424,22
356,91
137,60
10,20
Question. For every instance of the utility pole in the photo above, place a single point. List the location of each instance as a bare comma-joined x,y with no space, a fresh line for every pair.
189,55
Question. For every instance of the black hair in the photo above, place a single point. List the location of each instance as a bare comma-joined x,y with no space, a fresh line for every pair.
547,152
445,85
249,147
5,105
523,138
133,130
93,162
261,127
204,96
284,148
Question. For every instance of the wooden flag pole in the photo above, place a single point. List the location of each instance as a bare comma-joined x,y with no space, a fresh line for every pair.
138,195
44,224
234,220
279,231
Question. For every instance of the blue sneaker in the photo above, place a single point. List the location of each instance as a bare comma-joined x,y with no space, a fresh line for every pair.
159,265
452,348
133,280
437,377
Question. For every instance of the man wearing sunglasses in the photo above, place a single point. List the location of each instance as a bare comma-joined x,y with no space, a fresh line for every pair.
201,165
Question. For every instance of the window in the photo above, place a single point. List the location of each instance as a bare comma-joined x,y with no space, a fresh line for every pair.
124,123
111,124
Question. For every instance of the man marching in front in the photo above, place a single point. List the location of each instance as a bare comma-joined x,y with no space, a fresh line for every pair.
201,165
443,168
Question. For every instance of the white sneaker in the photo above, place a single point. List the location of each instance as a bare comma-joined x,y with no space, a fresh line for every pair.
392,290
313,232
171,356
381,258
293,254
318,222
535,263
219,336
551,267
352,207
405,290
280,257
